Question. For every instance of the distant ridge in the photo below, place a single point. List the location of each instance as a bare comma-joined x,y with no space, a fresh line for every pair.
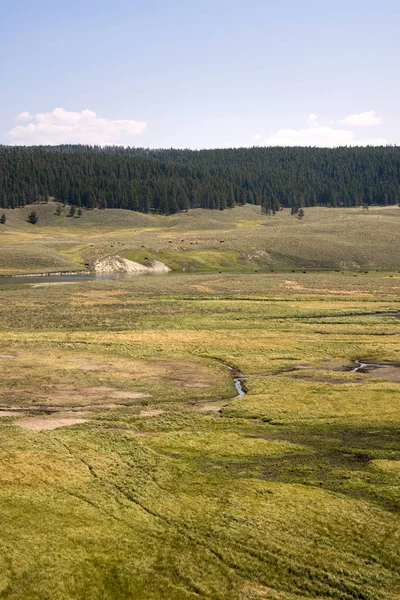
169,181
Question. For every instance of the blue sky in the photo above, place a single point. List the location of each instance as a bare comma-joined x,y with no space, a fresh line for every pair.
200,73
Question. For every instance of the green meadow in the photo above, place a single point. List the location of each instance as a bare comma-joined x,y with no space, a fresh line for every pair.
130,469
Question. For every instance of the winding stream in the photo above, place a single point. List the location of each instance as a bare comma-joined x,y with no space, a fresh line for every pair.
238,378
364,367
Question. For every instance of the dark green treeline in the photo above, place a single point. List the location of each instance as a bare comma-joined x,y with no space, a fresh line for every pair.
167,181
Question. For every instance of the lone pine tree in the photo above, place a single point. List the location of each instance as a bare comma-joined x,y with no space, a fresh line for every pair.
33,217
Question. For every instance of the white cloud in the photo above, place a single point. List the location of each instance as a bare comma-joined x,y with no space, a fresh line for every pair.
312,120
61,126
365,119
326,137
24,116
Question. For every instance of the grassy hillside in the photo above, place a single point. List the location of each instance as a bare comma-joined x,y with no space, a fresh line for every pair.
241,239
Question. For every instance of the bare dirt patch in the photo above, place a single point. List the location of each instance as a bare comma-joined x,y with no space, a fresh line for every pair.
8,356
68,395
390,373
41,423
7,413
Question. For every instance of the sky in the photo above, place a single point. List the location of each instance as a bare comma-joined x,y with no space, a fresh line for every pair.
200,74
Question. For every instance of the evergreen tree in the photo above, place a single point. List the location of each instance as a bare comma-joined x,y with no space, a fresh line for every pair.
242,197
231,197
33,217
166,181
3,219
89,200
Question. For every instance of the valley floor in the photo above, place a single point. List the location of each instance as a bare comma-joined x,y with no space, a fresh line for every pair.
131,469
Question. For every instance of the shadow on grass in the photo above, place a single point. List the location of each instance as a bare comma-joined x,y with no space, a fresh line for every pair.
340,461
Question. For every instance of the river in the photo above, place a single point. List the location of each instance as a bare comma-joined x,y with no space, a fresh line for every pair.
69,277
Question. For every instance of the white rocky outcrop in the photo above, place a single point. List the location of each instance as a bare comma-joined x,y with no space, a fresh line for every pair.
117,264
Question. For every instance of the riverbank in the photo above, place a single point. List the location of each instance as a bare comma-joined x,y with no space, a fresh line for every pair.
48,274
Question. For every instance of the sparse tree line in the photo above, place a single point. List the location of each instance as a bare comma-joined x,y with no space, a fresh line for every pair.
168,181
73,211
